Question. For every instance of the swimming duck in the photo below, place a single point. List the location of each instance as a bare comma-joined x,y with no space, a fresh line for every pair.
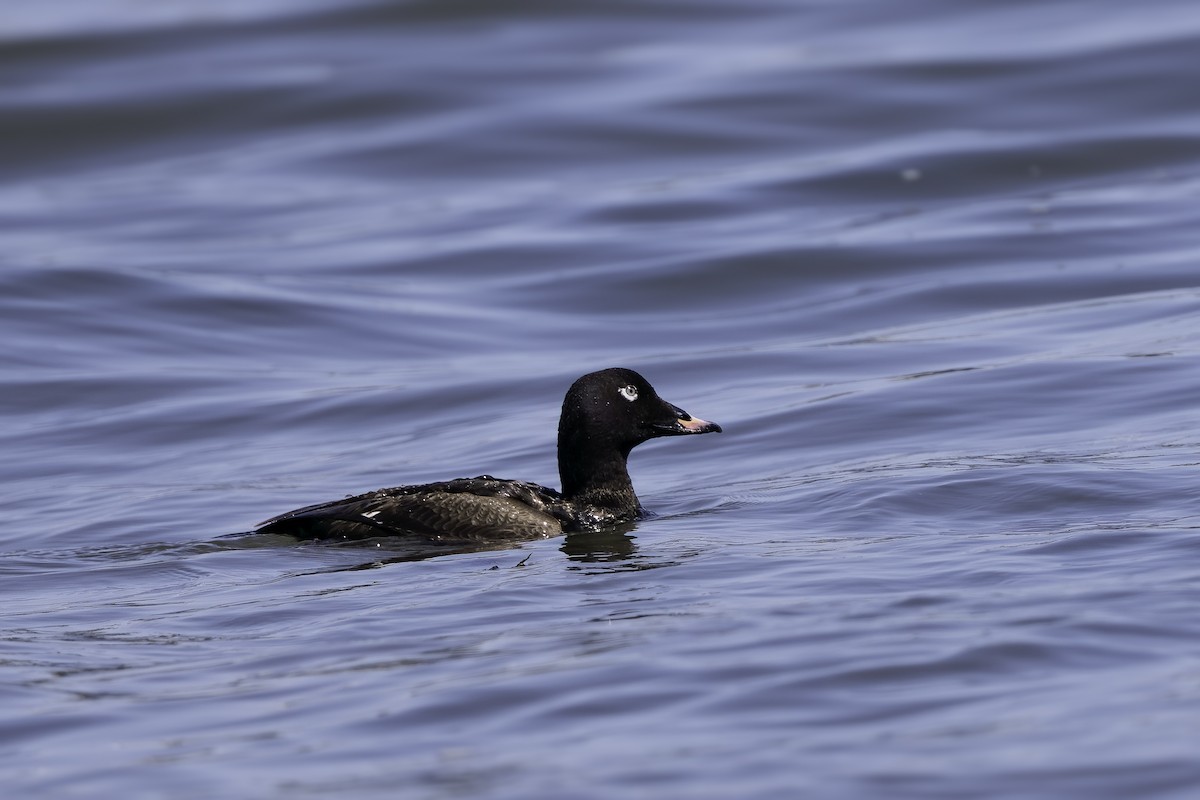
605,415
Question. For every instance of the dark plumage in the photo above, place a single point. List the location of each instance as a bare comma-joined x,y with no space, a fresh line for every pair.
604,416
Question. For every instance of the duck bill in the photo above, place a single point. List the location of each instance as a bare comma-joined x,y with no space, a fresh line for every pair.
685,423
697,425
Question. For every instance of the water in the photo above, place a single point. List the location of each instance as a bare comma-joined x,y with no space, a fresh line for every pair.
933,266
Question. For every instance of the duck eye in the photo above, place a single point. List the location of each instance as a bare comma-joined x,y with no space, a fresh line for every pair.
628,392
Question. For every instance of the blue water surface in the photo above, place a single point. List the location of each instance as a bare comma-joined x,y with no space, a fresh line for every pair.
932,265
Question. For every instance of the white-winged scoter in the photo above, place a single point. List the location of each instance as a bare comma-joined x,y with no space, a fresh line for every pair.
604,415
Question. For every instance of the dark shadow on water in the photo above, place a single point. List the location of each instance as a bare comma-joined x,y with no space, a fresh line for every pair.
594,547
610,546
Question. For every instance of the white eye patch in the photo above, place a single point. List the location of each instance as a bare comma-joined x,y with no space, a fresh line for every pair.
628,392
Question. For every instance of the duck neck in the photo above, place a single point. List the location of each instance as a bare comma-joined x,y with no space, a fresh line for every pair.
596,476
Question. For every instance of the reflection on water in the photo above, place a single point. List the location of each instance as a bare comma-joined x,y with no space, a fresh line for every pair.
613,545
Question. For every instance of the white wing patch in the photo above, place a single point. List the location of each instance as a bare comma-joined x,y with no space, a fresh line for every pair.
628,392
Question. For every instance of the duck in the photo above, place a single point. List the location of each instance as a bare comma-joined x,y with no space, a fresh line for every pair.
605,415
